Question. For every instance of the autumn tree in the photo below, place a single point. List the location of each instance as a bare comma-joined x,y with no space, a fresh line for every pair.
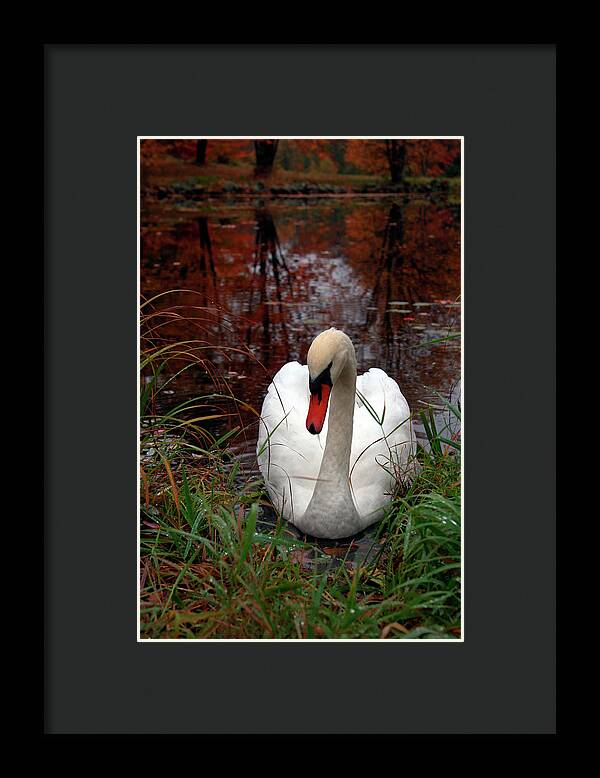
201,145
379,156
429,157
265,156
225,152
303,154
395,151
367,156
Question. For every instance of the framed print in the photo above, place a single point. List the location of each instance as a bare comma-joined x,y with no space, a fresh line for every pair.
270,507
266,322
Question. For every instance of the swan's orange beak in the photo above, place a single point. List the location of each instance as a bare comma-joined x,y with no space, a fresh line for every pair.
317,409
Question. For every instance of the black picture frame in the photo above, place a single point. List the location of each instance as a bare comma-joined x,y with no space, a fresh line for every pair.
98,678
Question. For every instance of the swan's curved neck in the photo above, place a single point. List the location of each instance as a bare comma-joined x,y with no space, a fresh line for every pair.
331,508
331,512
336,457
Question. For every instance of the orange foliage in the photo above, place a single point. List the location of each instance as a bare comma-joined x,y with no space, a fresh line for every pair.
424,157
367,155
230,151
155,151
431,157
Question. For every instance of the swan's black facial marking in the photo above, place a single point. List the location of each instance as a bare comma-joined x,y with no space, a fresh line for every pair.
319,399
322,378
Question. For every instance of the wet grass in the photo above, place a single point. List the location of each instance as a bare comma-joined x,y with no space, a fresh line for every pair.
213,566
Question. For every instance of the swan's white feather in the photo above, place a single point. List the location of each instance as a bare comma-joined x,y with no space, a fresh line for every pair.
289,456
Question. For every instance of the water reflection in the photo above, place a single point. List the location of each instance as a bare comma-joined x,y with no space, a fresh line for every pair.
275,274
269,261
207,264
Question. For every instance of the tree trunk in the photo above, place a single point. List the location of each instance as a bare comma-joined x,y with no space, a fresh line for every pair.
265,156
396,154
201,152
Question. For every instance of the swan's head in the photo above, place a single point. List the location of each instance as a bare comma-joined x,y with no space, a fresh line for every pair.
327,357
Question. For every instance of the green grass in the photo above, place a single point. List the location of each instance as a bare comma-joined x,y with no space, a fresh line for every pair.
210,568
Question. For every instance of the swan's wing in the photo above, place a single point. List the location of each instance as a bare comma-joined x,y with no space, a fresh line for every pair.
289,457
383,440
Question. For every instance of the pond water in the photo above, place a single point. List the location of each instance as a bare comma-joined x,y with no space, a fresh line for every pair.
264,277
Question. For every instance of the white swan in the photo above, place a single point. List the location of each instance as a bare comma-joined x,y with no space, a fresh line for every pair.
334,484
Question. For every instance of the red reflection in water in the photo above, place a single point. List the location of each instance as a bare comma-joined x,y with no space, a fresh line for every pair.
267,280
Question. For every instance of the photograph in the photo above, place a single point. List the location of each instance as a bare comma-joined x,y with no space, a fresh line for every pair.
300,343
